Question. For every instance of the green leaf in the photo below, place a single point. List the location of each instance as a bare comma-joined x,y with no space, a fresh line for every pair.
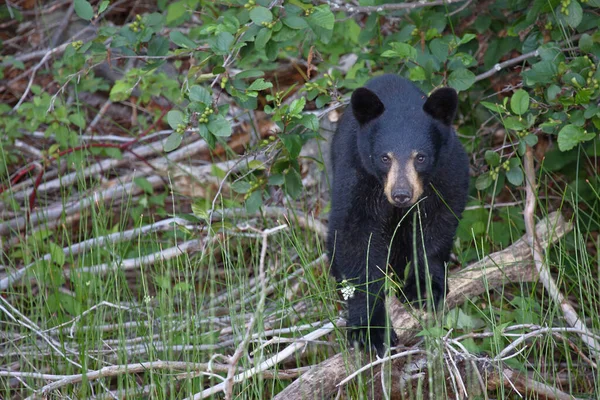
295,22
181,40
552,91
530,140
175,118
575,14
200,94
592,111
158,46
571,135
293,144
276,180
497,108
120,91
440,49
514,124
78,120
254,202
83,9
57,254
400,50
260,14
492,158
461,79
259,85
515,172
417,74
222,43
519,102
175,11
322,17
293,183
483,181
250,73
220,126
541,72
173,141
103,6
241,187
434,332
297,106
467,38
310,121
66,302
263,36
586,43
143,184
113,152
256,165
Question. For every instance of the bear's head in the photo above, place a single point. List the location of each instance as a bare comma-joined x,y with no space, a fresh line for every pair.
400,139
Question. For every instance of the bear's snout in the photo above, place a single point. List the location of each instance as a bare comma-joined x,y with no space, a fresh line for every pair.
403,185
401,197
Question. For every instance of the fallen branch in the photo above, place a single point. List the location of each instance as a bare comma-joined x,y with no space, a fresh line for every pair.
78,248
539,261
276,359
115,370
509,265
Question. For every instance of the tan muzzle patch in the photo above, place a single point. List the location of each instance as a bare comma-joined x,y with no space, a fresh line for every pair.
403,176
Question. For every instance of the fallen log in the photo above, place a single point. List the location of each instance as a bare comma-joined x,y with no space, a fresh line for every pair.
513,264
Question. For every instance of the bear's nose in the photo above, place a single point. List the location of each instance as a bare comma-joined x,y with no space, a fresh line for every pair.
401,197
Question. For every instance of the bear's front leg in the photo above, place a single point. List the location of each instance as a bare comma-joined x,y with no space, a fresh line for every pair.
367,317
427,277
428,282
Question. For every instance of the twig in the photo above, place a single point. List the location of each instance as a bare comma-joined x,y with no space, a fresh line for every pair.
98,116
277,358
522,338
115,370
459,9
298,217
379,361
538,257
227,385
188,247
517,60
63,24
392,6
30,325
33,72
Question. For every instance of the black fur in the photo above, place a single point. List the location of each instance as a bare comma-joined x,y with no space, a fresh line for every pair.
392,116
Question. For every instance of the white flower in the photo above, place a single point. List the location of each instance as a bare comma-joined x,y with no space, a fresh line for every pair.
347,290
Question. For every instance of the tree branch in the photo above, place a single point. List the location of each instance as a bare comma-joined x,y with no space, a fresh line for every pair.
392,6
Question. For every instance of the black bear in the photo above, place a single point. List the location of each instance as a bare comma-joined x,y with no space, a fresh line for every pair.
394,154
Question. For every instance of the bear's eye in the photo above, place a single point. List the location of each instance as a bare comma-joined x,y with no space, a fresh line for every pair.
385,158
420,158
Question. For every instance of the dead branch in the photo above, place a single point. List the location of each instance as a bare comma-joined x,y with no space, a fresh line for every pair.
509,265
242,347
115,370
539,261
392,6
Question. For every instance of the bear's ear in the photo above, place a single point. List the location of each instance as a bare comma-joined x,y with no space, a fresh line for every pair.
366,106
442,105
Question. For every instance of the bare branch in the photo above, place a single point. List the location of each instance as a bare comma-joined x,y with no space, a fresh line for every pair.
392,6
539,260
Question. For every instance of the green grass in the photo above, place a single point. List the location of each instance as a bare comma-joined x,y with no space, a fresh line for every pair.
196,308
